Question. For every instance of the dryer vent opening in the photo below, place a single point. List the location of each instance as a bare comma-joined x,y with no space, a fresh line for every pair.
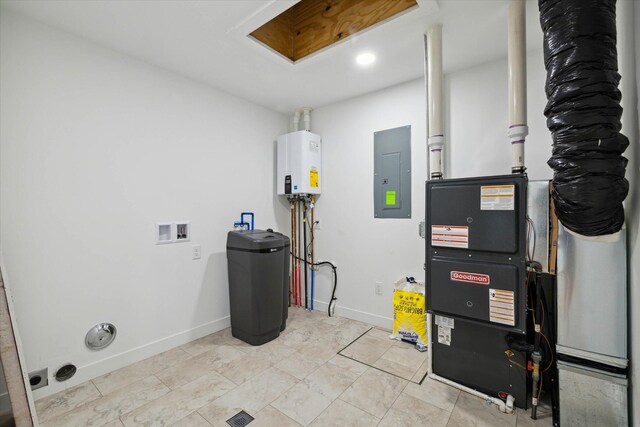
66,372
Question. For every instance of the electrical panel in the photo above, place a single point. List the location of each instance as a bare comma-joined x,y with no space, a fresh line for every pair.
392,173
299,169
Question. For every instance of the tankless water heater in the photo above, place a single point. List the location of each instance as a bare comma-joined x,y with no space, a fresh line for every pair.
299,163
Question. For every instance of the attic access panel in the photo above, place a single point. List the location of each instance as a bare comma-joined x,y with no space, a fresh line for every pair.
312,25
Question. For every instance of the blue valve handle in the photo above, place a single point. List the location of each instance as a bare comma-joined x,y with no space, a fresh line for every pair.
243,214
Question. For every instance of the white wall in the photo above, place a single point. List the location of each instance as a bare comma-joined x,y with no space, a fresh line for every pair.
96,147
477,119
369,250
366,249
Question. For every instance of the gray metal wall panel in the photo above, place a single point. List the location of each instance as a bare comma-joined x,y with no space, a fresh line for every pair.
392,173
591,398
592,295
538,212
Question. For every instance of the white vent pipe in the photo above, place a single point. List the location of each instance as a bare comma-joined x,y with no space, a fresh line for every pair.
296,121
435,102
306,115
517,57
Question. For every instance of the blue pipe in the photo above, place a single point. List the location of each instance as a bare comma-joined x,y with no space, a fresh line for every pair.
247,213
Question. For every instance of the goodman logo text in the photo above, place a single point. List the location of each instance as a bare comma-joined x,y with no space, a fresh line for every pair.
462,276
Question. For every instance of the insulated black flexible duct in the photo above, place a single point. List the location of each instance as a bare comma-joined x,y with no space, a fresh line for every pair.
583,114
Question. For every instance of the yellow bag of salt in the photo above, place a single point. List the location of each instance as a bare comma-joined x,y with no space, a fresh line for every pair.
409,315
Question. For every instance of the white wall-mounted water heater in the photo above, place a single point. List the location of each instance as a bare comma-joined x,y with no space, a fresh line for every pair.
299,163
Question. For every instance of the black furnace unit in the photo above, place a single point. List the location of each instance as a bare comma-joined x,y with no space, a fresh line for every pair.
476,282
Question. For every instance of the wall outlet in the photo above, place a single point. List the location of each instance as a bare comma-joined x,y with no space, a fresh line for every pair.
378,288
196,252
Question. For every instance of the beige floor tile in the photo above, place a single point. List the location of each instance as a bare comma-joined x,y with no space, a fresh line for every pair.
353,366
215,340
474,411
323,349
335,320
330,380
351,330
405,354
298,365
374,392
394,368
180,402
434,392
422,371
271,417
107,409
191,369
140,370
367,349
64,401
252,396
243,368
275,351
297,339
409,411
380,334
301,404
341,414
114,423
544,418
193,420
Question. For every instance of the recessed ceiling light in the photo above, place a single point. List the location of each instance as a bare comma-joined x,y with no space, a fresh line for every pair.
365,59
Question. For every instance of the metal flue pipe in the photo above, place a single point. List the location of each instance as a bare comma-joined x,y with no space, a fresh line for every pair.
517,58
435,100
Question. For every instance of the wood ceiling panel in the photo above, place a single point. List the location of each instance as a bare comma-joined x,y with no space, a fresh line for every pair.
312,25
278,33
318,24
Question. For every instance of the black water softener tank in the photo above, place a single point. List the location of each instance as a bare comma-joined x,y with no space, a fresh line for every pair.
258,284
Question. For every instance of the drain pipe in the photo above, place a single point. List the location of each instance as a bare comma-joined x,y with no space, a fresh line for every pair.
435,102
506,407
517,58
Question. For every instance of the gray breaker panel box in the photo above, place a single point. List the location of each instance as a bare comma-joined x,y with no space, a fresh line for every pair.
258,284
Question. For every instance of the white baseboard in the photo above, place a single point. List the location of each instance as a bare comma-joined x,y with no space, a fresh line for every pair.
353,314
109,364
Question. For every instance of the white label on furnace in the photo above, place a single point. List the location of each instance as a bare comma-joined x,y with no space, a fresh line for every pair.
313,146
450,236
501,308
445,322
497,197
444,335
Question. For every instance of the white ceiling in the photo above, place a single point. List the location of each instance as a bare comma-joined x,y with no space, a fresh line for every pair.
206,41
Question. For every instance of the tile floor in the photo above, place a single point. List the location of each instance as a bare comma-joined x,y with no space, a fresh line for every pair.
297,379
399,358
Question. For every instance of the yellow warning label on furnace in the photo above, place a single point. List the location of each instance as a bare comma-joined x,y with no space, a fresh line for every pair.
313,178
